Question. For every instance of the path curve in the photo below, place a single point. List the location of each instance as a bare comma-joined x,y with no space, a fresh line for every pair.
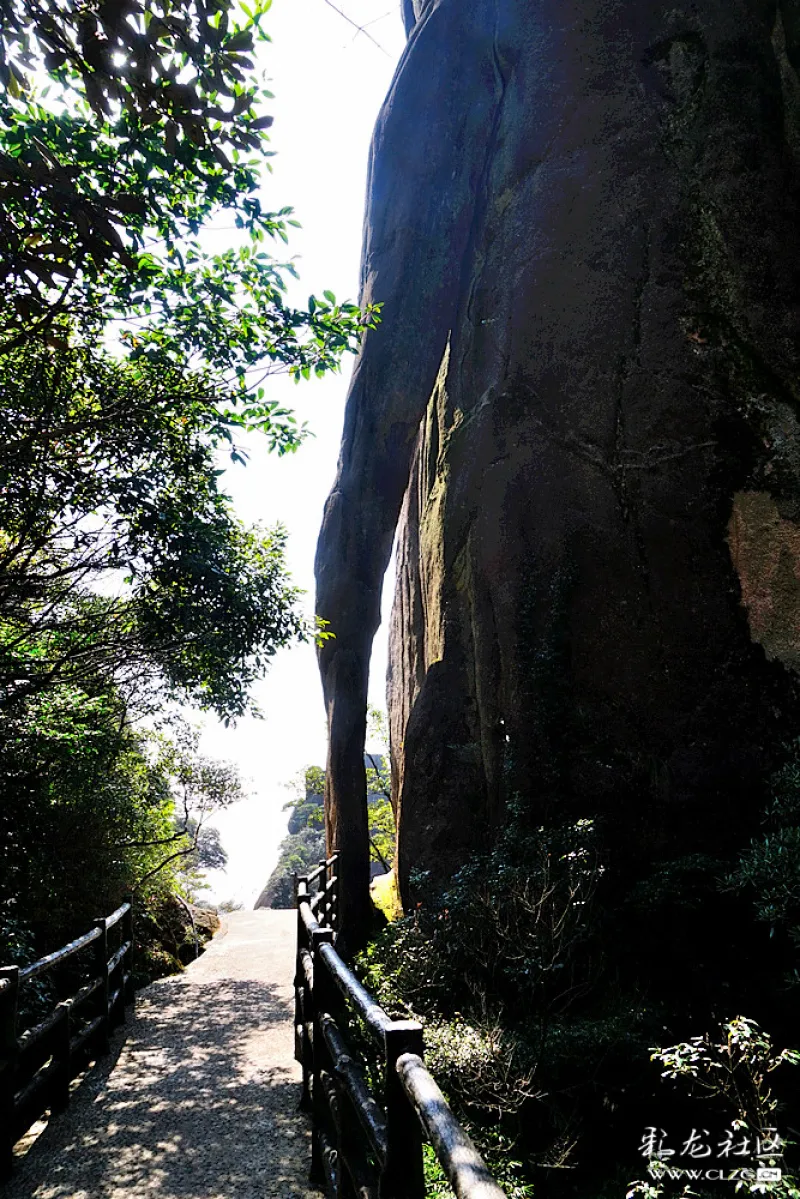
201,1102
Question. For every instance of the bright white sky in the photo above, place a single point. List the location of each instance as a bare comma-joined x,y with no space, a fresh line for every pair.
329,83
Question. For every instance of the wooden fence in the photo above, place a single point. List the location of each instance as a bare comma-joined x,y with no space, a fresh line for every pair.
38,1065
367,1146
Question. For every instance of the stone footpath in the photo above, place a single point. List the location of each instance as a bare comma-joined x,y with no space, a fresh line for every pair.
198,1099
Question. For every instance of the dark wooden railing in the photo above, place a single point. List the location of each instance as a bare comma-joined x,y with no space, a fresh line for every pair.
38,1065
366,1146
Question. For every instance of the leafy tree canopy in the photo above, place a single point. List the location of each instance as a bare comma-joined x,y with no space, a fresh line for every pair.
94,808
126,129
149,129
118,552
129,356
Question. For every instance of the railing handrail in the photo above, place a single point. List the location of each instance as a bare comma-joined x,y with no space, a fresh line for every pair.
335,1087
317,871
369,1009
466,1170
116,916
60,955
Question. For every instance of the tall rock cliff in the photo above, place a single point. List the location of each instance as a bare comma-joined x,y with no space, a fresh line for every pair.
581,405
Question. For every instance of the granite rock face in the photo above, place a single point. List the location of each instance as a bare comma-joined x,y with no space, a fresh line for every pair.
583,223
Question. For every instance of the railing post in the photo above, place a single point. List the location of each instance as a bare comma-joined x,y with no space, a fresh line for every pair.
302,999
62,1053
299,922
322,882
116,1010
335,892
101,967
116,978
403,1176
9,999
300,891
127,935
320,1002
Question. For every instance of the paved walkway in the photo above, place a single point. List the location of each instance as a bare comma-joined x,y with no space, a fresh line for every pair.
201,1100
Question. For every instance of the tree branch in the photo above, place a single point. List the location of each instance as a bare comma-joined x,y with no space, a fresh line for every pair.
379,856
357,27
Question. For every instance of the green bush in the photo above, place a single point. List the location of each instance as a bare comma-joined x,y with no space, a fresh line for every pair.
732,1066
511,928
492,966
768,872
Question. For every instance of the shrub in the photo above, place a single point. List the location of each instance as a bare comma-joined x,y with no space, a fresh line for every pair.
491,966
769,870
732,1066
513,925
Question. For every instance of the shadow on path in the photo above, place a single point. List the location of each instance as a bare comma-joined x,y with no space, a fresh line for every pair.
195,1108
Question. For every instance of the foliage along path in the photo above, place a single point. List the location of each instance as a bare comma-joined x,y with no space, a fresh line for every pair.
202,1100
